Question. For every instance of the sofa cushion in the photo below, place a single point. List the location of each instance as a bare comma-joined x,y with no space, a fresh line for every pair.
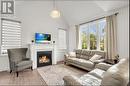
23,63
103,66
117,75
78,53
86,63
72,59
95,57
90,80
101,53
86,52
82,62
72,54
84,57
97,73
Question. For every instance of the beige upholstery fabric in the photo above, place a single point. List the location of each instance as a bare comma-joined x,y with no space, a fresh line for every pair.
82,62
78,53
117,75
82,59
97,72
99,61
89,80
72,54
103,66
86,80
95,57
66,56
102,53
71,81
85,55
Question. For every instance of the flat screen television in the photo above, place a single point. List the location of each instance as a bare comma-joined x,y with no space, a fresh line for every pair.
42,38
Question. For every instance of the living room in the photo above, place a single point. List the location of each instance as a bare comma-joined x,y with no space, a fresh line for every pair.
51,31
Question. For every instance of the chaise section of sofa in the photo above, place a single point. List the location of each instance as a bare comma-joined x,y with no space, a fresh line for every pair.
103,75
92,78
81,58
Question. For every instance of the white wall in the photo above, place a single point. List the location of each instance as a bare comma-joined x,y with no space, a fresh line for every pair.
35,17
122,32
72,38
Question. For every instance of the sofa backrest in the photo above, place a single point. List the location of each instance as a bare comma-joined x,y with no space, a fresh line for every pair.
117,75
78,53
87,54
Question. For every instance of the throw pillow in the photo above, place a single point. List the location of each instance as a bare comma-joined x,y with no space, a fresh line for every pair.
72,54
95,57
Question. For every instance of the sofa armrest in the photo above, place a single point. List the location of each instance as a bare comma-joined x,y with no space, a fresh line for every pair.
99,61
66,56
70,55
26,59
71,81
103,66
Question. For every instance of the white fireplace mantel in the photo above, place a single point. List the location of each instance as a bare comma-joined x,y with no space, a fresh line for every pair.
34,48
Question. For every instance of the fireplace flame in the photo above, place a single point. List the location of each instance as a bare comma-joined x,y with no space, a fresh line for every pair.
43,59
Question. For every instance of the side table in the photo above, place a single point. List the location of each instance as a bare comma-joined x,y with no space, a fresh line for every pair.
111,61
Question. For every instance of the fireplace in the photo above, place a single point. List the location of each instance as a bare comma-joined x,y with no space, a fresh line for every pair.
44,58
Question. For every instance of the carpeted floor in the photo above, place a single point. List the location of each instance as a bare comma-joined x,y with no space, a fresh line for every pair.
53,75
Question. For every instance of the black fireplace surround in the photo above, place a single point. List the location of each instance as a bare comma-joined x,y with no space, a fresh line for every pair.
44,58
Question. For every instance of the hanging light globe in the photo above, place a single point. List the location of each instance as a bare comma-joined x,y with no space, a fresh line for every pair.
55,14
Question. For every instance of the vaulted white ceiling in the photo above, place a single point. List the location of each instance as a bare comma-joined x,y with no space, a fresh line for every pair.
109,5
79,11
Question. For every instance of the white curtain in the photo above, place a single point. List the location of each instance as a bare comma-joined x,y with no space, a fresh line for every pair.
77,37
111,37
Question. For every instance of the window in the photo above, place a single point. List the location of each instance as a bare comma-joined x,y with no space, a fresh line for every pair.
92,35
62,39
10,35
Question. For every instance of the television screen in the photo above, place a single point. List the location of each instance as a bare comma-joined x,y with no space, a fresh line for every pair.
41,38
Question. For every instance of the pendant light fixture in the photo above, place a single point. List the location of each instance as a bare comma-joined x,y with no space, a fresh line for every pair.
55,13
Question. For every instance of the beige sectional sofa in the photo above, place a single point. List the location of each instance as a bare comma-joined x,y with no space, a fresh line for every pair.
103,75
81,58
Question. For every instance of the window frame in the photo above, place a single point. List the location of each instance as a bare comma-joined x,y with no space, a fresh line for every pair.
98,36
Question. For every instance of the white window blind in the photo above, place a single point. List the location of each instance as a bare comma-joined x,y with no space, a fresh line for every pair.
10,35
62,39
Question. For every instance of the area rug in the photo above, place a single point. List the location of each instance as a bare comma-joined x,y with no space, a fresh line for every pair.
53,75
25,78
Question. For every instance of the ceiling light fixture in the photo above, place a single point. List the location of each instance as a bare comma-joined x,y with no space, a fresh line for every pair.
55,13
